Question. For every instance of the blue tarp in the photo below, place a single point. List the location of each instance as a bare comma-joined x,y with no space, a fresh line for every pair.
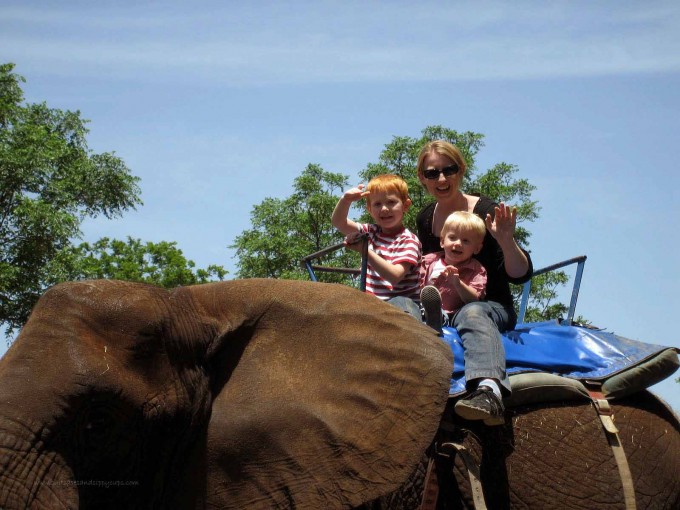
570,351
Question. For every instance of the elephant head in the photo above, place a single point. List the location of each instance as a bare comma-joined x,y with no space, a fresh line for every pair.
240,394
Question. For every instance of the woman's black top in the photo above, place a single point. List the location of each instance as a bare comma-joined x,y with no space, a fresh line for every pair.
490,256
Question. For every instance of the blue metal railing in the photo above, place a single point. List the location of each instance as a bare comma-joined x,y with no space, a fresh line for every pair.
580,261
311,268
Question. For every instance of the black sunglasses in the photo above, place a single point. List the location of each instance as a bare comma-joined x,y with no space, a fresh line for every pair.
433,173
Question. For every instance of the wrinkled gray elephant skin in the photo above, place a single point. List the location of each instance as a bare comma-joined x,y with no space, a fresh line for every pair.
240,394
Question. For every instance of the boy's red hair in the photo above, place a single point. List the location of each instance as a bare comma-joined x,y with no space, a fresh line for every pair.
387,183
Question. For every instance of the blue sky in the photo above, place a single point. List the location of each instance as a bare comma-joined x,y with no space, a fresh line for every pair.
217,105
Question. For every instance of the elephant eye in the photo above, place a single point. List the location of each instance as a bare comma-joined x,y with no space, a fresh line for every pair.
95,425
103,440
101,420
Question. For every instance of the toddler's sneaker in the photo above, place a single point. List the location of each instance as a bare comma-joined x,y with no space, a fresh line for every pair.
431,301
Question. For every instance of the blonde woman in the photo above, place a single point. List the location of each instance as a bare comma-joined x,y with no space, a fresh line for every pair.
441,168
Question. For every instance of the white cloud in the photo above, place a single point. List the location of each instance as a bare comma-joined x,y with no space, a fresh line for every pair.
333,42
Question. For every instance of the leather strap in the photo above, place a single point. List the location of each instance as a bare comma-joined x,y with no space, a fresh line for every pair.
606,415
431,488
473,475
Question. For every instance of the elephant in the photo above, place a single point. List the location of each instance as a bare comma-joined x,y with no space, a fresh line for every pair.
241,394
284,394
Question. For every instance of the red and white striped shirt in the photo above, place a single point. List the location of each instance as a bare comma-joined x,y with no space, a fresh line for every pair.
402,247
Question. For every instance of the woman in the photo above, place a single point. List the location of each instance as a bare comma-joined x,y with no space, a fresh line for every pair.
441,168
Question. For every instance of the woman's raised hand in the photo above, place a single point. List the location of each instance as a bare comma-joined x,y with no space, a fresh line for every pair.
502,226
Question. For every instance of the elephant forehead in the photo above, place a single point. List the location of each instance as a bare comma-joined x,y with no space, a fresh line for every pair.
90,329
107,299
103,308
91,338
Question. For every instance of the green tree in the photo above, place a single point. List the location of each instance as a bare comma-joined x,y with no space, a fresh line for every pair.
50,181
160,263
282,228
286,230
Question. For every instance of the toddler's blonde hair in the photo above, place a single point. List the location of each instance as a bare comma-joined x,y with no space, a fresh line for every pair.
466,221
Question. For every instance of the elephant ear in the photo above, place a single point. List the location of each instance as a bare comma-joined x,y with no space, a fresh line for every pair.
324,397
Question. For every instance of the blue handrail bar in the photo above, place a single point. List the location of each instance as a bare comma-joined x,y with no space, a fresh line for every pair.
307,262
580,261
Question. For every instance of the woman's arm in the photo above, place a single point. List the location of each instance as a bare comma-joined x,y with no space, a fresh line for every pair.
502,228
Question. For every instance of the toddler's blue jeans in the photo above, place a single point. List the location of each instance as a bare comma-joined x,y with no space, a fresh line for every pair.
479,325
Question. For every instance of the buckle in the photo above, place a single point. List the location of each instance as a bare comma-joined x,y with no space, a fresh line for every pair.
603,406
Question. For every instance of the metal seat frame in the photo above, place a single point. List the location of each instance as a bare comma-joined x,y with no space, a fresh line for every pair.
580,261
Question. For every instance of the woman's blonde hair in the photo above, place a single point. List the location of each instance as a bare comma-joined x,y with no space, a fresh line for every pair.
466,221
387,183
441,147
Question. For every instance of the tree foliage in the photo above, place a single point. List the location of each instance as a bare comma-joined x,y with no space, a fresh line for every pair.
160,263
50,181
286,230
